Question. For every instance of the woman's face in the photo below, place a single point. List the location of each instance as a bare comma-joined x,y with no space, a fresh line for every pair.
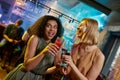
81,29
50,29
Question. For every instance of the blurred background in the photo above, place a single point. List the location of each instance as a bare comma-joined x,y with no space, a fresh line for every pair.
71,12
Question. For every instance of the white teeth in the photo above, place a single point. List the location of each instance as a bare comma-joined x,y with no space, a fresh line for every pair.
51,34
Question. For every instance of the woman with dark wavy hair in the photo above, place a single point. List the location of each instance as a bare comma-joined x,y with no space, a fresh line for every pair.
39,26
41,51
38,29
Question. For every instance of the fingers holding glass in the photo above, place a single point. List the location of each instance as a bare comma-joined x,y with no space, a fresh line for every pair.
53,49
67,59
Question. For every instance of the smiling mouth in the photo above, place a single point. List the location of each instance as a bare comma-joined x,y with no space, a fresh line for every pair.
50,34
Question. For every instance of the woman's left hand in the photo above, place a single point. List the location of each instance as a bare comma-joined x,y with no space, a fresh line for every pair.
68,60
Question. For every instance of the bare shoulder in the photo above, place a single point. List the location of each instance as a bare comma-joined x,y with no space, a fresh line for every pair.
32,42
97,65
33,38
100,55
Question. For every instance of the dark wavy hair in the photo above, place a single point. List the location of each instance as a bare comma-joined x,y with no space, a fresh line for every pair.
38,27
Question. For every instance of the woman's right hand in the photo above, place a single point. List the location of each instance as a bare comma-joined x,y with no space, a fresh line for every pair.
51,48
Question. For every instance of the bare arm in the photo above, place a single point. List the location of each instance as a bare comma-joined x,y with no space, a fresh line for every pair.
96,68
25,36
7,38
93,72
50,70
71,66
11,40
30,60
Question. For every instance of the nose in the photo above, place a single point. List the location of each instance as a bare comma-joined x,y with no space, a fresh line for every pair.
52,27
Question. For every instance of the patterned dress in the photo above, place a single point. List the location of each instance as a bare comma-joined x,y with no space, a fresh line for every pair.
37,73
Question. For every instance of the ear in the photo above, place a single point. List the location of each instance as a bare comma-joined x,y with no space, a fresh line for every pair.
84,29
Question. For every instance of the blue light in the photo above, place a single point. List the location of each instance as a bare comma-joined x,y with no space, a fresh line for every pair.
32,11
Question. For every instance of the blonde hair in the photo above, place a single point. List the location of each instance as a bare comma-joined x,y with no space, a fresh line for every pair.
91,34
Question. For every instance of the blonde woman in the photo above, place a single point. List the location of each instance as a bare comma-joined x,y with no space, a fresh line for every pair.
86,59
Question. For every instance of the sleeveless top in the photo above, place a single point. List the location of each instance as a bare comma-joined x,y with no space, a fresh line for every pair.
46,62
37,73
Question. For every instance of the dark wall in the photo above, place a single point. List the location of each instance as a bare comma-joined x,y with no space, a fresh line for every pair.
110,50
